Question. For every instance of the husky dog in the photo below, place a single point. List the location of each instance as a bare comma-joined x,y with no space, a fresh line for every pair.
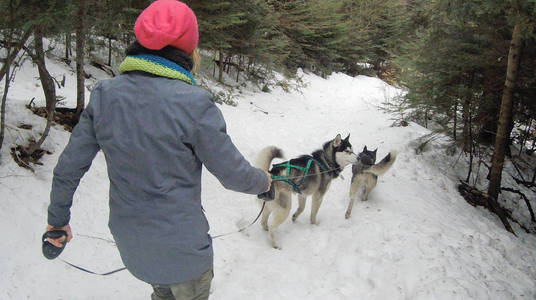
324,165
365,175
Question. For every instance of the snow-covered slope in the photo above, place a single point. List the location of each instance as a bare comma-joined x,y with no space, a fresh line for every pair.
415,238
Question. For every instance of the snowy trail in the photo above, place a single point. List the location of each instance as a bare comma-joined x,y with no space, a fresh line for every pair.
415,238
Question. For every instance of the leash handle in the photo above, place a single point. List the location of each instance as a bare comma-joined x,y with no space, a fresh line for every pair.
49,250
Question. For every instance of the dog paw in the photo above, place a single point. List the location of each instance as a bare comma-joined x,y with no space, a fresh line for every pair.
275,246
347,215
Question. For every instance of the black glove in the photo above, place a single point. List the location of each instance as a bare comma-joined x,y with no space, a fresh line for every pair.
268,196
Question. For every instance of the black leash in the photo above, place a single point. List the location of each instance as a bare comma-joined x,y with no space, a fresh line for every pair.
50,251
245,227
91,272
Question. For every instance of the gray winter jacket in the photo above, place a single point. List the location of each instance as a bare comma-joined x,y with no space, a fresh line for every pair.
155,134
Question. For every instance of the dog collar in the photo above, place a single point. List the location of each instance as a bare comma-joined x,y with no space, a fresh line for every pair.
334,169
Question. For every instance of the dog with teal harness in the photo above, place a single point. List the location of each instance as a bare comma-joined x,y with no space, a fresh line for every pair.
306,175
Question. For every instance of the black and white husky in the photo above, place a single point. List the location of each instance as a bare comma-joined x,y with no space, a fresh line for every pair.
324,165
365,175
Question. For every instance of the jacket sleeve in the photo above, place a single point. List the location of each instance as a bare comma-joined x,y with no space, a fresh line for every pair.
221,157
73,163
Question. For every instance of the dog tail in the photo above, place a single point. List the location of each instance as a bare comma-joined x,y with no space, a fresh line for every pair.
265,157
384,165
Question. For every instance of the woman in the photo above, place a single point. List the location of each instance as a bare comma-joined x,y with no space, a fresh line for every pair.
156,129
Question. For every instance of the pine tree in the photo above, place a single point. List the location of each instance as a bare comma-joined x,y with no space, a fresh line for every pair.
48,18
375,31
448,66
216,19
315,30
457,66
521,16
258,38
81,34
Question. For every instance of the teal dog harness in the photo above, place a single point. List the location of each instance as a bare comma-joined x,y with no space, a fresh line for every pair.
288,166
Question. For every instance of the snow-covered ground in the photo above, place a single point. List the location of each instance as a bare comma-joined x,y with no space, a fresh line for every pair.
415,238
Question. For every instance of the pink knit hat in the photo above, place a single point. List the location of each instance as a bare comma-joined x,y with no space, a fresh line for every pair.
167,23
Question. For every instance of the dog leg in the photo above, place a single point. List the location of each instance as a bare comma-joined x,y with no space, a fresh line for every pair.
350,206
368,188
279,215
354,187
317,200
369,185
301,207
349,209
265,214
365,194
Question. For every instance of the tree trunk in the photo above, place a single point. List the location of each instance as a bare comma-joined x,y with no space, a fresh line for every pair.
4,99
467,117
15,51
525,137
238,67
220,67
466,124
227,66
8,79
80,53
455,116
504,128
471,157
505,115
67,44
214,66
49,89
110,52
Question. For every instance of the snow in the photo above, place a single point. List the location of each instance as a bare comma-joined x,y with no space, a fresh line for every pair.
416,237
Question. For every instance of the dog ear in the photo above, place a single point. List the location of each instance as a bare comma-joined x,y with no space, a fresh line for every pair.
375,151
365,149
347,138
337,141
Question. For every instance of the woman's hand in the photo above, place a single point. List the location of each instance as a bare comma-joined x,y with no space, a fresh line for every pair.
58,242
